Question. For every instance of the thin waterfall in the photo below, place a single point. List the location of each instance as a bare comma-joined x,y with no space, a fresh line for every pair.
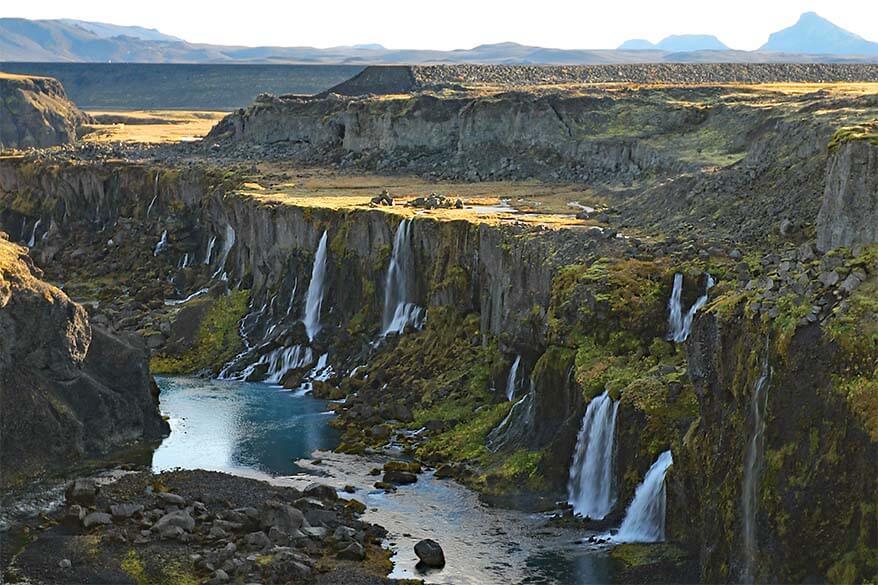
679,325
400,308
590,489
162,244
209,251
155,194
293,297
314,298
645,518
184,261
228,242
512,379
33,234
753,468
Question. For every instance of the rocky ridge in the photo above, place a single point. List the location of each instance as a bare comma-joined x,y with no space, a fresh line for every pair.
36,113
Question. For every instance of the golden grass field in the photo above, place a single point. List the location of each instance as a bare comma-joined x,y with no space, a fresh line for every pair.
150,126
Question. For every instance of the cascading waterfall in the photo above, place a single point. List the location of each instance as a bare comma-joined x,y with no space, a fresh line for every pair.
314,298
162,244
512,379
590,489
400,308
645,518
33,235
681,325
184,261
753,468
283,359
293,297
210,243
228,242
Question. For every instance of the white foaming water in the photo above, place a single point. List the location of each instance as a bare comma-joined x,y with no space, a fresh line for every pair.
753,469
645,518
184,262
590,489
400,308
228,242
33,234
209,251
197,293
314,299
512,379
681,325
162,244
283,359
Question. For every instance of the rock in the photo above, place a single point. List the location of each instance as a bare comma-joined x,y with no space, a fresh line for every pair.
217,533
171,499
35,112
74,515
409,466
430,553
829,278
850,283
125,511
96,519
322,491
220,576
356,506
282,516
400,477
849,213
352,552
82,491
257,540
444,471
344,533
180,518
64,563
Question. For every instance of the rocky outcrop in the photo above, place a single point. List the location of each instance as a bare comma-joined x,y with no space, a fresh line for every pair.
36,113
388,79
67,390
849,214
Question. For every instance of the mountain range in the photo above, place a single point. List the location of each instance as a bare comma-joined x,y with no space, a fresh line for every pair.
811,39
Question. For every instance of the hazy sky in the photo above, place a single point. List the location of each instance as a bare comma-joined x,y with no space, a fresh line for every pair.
455,24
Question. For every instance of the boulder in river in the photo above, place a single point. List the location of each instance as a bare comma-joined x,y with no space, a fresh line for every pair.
430,553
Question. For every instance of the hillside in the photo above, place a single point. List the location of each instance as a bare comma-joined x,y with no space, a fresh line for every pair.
78,41
814,34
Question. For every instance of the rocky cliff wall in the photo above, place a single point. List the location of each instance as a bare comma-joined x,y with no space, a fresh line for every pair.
849,214
67,390
585,313
36,113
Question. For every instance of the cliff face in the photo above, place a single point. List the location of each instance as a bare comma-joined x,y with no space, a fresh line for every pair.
67,390
36,113
849,214
586,313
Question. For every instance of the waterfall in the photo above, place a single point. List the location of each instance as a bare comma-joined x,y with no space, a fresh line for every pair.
681,325
210,244
293,297
162,244
753,467
512,379
590,488
228,242
33,234
283,359
314,298
400,309
184,262
645,518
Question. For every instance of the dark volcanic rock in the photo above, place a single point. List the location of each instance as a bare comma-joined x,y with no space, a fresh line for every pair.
66,389
430,553
35,112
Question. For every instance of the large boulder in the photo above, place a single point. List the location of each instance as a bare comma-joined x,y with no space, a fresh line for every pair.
35,112
67,390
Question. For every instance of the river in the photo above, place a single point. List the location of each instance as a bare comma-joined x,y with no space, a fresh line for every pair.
262,431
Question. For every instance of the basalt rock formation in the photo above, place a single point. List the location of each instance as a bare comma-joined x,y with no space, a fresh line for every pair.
35,113
67,390
849,215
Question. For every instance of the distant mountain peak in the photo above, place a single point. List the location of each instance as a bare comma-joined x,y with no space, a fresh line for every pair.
676,44
814,34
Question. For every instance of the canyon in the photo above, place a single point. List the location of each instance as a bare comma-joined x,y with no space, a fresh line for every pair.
657,302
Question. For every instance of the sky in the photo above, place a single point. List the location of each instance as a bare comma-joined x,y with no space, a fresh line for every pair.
456,24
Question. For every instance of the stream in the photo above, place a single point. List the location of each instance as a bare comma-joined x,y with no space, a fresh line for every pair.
266,432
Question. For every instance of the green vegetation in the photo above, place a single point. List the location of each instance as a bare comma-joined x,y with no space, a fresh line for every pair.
867,132
168,574
216,342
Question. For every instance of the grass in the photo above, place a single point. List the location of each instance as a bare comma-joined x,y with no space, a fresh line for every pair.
149,126
867,131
